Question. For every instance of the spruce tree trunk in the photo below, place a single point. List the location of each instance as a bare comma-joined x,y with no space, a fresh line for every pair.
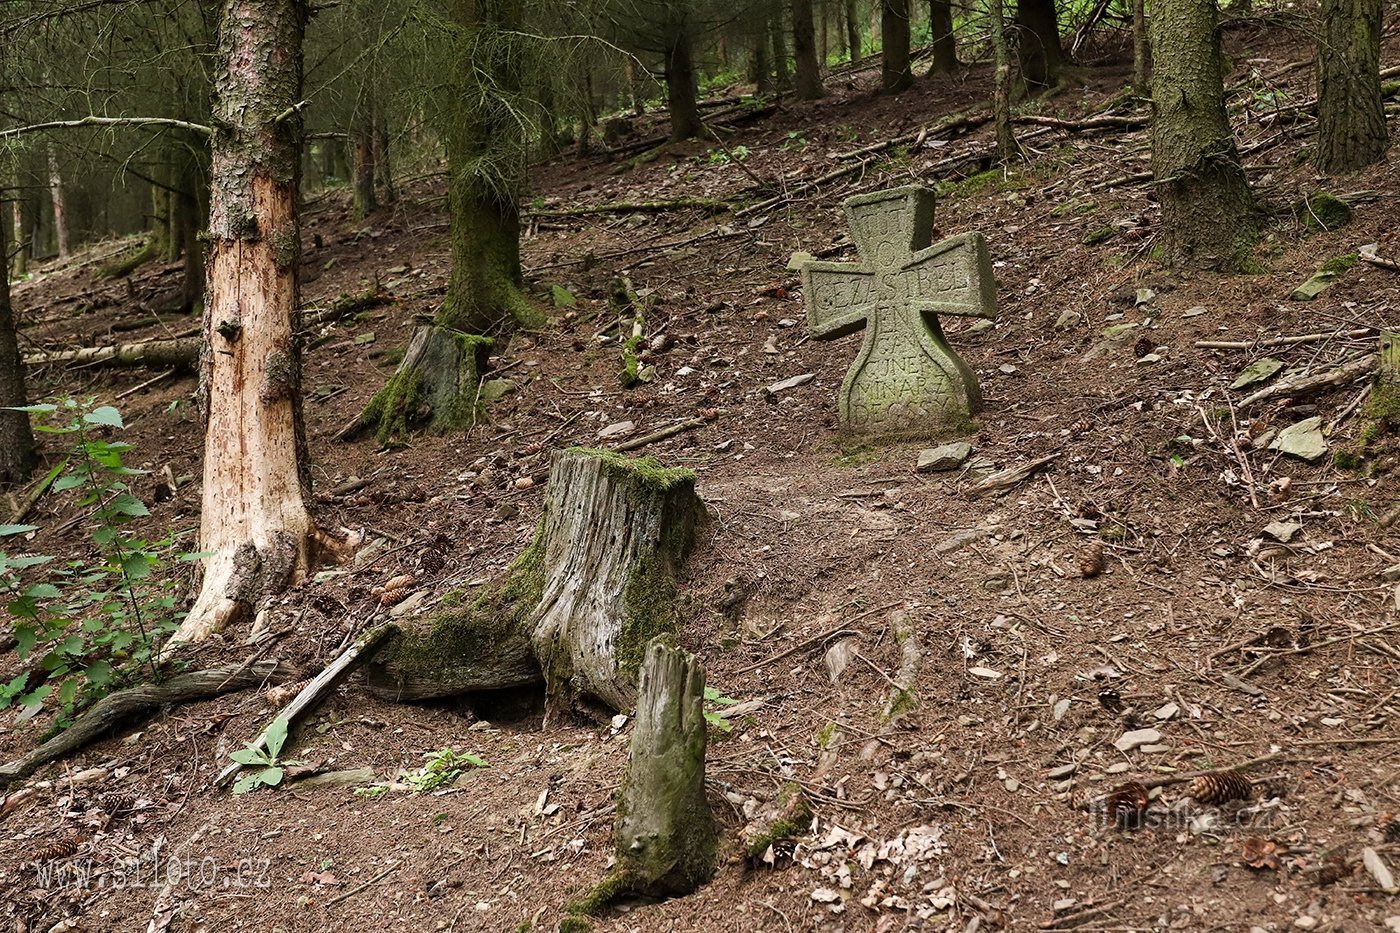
759,71
782,72
1142,50
895,72
383,164
852,24
60,206
1207,208
254,520
1351,130
681,85
945,41
17,457
364,197
1040,56
1007,147
192,218
804,48
20,265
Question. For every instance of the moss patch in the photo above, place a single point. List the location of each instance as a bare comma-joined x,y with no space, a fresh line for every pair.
435,388
1339,264
1323,211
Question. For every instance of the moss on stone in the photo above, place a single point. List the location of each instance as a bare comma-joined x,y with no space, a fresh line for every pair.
1323,211
1339,264
795,818
1101,235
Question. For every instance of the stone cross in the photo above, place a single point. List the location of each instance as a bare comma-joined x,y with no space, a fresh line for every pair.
906,380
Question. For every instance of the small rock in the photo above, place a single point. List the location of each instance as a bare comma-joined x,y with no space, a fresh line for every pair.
1137,738
339,778
1118,767
1147,359
1303,440
1063,904
1282,532
944,457
408,605
1305,922
617,429
1385,880
798,260
1068,319
1063,771
1006,369
1144,295
1194,312
980,327
1155,749
1169,711
493,389
1256,372
789,383
1314,286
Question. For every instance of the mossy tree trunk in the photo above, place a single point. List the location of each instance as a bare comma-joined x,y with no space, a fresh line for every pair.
896,74
1207,208
1351,131
1142,49
664,836
616,532
804,47
945,40
1007,147
364,196
254,522
851,22
17,457
1040,55
576,610
383,157
782,71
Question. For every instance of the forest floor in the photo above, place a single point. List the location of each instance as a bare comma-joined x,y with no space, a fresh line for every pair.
1204,627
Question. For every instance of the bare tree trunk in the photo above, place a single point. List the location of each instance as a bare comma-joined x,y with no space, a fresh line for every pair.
681,86
1351,131
823,31
17,457
1207,208
254,521
895,72
759,71
945,40
1142,50
852,24
782,73
383,164
60,206
809,75
1041,57
362,143
1007,147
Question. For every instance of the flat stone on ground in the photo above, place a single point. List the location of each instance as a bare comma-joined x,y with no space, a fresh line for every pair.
1136,739
944,457
1303,440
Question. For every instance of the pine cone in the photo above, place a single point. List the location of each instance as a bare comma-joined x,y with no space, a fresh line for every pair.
1390,829
62,849
1126,804
1221,786
1091,560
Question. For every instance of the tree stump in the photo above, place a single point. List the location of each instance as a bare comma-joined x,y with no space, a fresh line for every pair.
615,533
577,608
435,386
665,834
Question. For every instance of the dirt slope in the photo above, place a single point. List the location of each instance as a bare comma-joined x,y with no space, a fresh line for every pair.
957,815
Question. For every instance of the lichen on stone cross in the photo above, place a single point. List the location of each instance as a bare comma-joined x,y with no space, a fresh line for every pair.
906,380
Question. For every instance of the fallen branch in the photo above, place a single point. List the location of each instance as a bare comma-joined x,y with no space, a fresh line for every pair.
172,353
1131,122
1283,341
317,688
1351,370
952,124
1010,476
125,706
681,427
709,205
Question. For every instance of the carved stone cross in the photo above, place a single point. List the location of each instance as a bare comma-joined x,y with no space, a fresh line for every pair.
906,380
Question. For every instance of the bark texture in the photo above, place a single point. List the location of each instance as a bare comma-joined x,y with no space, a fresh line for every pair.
665,833
895,72
945,41
1351,131
1207,208
616,532
435,387
1007,147
804,47
852,24
679,65
254,521
1142,49
17,457
1040,55
365,196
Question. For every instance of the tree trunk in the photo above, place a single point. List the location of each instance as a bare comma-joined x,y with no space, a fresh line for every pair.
60,206
577,608
1007,147
254,521
945,40
1040,56
616,532
804,48
665,836
1351,130
681,87
1207,208
19,266
895,72
782,74
759,71
1142,50
17,457
362,141
383,164
852,25
823,31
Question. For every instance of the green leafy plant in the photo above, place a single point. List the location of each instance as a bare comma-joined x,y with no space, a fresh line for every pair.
712,716
441,768
795,141
270,768
89,624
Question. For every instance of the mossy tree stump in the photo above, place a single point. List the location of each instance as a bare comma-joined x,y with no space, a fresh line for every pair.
665,834
616,531
435,387
577,608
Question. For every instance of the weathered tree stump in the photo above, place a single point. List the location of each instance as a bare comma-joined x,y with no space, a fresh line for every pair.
434,387
578,607
615,533
665,834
